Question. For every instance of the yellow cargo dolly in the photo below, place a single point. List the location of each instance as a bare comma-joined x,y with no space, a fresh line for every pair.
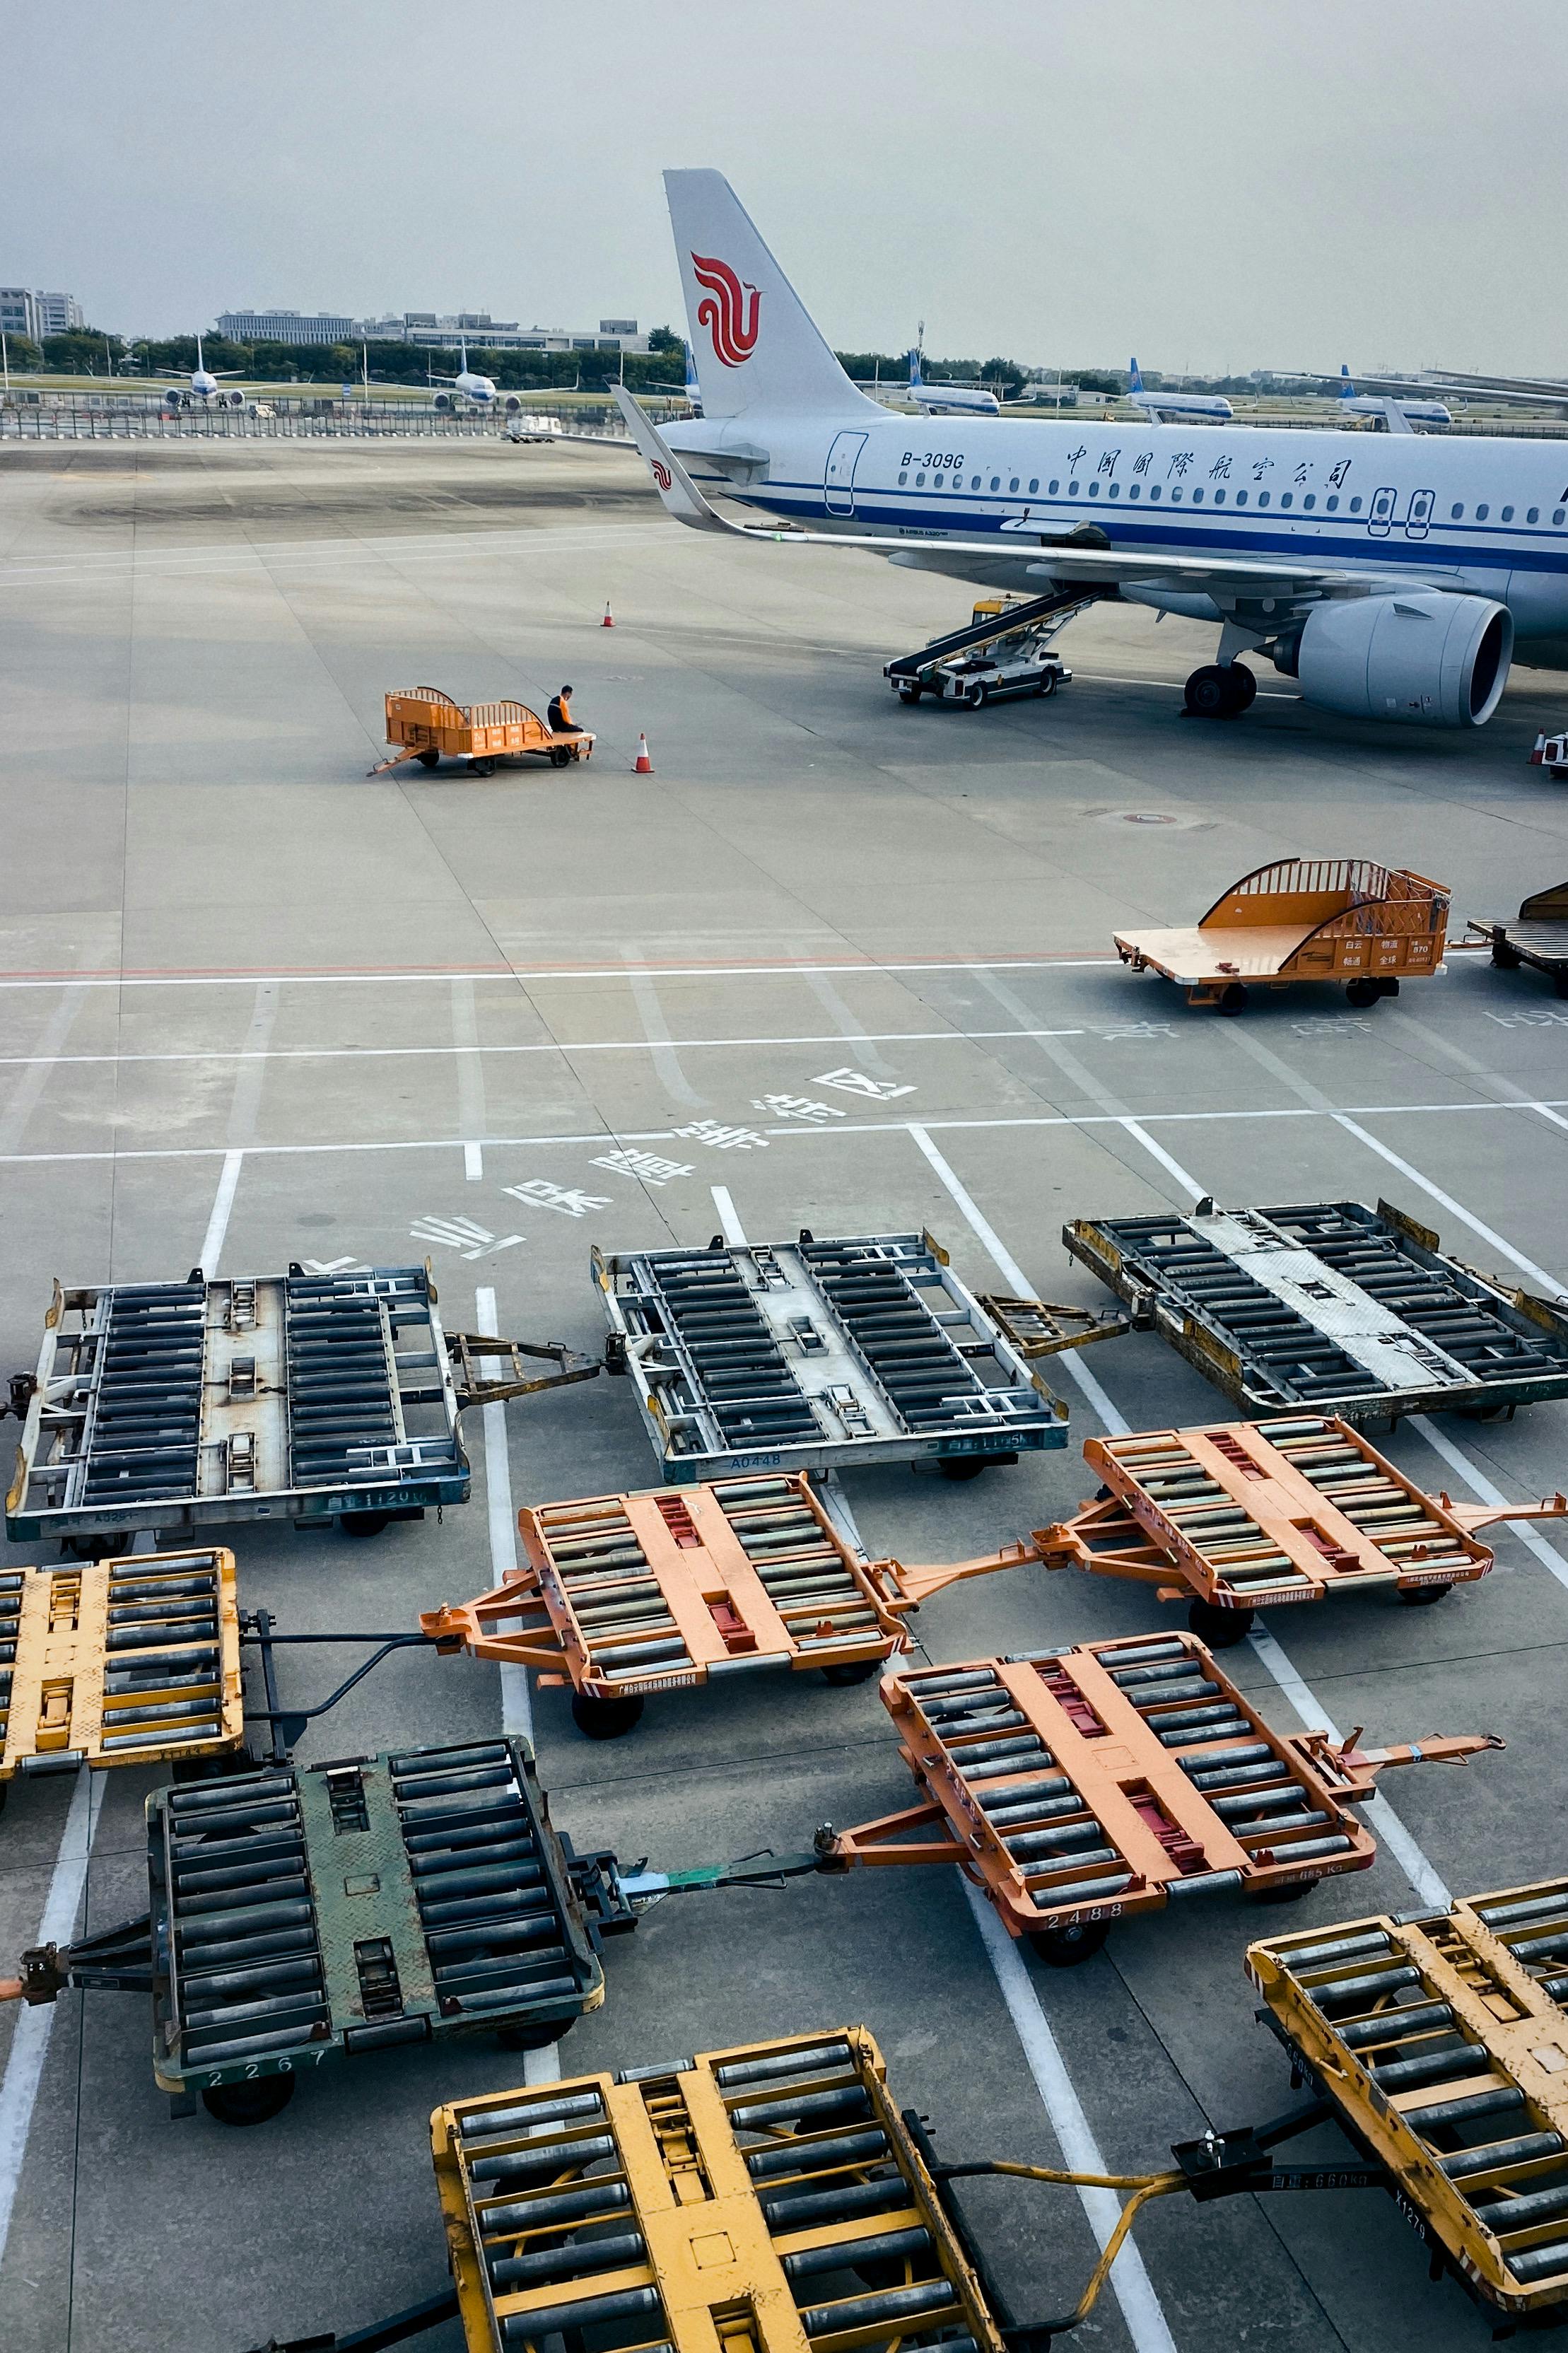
626,1596
751,2199
127,1662
1302,919
430,727
1440,2045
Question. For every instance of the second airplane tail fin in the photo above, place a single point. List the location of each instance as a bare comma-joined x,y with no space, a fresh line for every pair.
759,345
1135,380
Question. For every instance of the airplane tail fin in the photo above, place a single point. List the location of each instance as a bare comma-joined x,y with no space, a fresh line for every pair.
766,350
1135,382
1347,389
693,389
916,383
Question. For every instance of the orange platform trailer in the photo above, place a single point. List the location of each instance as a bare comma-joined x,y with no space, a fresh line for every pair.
1302,919
428,726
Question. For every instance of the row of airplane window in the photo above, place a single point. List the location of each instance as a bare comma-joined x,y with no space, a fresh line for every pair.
1135,489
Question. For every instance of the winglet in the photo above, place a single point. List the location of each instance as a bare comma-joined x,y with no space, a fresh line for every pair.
681,496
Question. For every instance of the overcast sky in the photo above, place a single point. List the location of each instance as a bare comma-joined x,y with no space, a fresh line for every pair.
1218,183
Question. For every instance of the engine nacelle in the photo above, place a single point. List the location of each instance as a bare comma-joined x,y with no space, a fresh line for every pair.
1417,655
512,404
443,401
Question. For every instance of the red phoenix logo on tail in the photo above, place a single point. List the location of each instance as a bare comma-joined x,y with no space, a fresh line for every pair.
730,320
661,474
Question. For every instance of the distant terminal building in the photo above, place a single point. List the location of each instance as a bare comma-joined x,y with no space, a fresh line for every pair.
32,311
439,330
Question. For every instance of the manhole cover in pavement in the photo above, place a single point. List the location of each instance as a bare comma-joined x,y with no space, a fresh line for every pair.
1183,822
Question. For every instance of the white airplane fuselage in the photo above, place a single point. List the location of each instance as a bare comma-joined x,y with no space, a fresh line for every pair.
1489,517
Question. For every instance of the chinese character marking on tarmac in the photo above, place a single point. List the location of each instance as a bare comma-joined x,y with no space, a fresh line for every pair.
1539,1020
334,1266
568,1200
801,1107
648,1166
1138,1030
463,1235
1331,1025
855,1082
724,1139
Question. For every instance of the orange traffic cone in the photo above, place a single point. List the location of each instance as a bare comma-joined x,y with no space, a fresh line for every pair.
609,620
642,766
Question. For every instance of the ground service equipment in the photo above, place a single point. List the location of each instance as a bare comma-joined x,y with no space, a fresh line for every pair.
1303,919
428,726
1252,1515
798,1355
1076,1787
760,2199
1439,2042
305,1915
1538,935
629,1596
1330,1305
119,1663
309,1397
1002,651
1551,753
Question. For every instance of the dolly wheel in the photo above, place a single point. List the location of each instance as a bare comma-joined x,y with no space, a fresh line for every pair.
428,759
249,2104
910,692
961,1466
1232,998
364,1523
1421,1597
534,2038
1363,993
603,1719
1063,1948
1289,1891
851,1671
559,758
1220,1629
1560,982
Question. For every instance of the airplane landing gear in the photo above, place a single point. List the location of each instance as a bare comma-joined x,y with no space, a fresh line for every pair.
1214,693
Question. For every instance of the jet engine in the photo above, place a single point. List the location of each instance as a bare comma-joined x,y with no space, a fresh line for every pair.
1417,655
512,404
443,401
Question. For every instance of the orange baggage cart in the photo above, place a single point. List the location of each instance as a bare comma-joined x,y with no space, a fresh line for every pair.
428,726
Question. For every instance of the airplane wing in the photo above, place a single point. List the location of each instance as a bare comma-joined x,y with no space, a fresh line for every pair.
1084,554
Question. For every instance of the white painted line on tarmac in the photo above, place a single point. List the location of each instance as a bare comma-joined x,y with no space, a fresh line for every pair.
30,2040
544,1045
516,1703
1446,1201
1130,2282
473,1162
553,973
1385,1821
1482,1488
218,1224
729,1218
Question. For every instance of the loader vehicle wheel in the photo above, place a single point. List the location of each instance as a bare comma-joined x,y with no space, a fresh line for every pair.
1506,959
559,758
1047,683
1421,1597
1290,1891
974,697
1232,998
1362,993
534,2038
428,759
249,2104
1063,1948
910,693
364,1523
603,1719
851,1671
1220,1629
961,1466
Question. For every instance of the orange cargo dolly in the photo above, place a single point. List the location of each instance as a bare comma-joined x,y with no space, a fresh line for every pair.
1303,919
1075,1788
624,1595
428,726
1253,1515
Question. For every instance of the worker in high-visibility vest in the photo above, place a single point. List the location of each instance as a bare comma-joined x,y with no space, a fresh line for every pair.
560,715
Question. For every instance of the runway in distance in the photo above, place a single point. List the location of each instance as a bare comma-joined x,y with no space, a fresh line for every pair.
1389,575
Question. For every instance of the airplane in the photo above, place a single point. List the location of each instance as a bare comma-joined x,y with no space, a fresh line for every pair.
203,385
1399,415
479,389
949,399
1200,408
1389,577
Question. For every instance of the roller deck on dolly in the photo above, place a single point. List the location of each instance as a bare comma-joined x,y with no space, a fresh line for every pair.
1302,919
1537,936
804,1355
1254,1516
1331,1306
299,1397
629,1596
426,725
1079,1785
